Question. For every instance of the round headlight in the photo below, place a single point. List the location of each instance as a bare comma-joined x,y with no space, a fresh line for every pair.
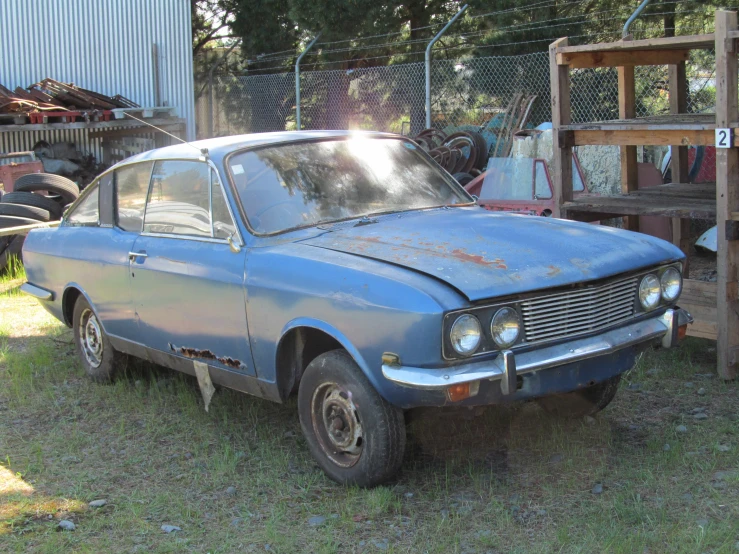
649,291
465,334
505,327
671,283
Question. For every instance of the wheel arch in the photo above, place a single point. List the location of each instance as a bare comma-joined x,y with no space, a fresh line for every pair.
302,340
69,297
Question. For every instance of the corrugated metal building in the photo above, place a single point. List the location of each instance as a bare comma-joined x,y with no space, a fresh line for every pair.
100,45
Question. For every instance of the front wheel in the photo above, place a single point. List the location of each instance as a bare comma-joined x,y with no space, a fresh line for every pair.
100,360
581,403
353,433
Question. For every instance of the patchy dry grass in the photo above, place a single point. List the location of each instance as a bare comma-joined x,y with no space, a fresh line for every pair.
510,480
12,276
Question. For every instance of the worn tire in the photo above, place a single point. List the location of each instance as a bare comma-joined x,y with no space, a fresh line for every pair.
581,403
21,210
36,200
111,361
334,379
32,182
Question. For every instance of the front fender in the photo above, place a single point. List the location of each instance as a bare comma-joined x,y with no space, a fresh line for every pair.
342,339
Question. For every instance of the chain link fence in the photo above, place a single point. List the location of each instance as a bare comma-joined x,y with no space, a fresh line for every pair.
465,93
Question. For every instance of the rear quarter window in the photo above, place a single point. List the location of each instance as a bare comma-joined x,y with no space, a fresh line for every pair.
87,212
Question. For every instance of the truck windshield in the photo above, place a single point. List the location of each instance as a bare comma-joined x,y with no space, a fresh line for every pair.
307,183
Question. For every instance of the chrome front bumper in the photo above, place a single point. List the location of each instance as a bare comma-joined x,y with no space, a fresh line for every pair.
508,365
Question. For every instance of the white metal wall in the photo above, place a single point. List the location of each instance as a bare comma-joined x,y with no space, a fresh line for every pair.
101,45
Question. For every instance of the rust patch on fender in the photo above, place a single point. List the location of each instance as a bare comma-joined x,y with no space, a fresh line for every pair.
197,354
553,270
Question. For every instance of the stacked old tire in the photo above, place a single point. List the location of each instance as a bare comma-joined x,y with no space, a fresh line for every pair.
36,198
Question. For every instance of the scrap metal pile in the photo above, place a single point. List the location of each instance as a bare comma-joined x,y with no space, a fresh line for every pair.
465,151
51,100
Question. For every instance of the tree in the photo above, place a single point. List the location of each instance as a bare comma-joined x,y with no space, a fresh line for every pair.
210,20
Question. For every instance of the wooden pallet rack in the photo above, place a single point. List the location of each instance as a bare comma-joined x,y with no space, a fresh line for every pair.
714,305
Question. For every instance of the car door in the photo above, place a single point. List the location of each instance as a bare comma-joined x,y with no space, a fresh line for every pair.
95,245
187,280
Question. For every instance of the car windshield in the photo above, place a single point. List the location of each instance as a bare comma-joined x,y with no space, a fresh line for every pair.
295,185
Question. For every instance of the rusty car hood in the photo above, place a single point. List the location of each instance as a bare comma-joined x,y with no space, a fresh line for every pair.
485,254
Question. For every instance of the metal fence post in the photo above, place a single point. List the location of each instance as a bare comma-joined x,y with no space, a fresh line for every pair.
632,17
297,80
428,63
210,105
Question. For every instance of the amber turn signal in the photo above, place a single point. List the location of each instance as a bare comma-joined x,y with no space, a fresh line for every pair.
682,331
459,392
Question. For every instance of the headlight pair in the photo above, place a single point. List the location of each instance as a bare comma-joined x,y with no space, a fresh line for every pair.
653,289
466,332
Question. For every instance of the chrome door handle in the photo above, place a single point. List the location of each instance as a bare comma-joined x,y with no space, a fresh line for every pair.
133,255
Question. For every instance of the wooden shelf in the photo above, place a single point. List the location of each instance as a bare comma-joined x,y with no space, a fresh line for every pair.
713,304
667,122
691,42
690,201
662,130
661,51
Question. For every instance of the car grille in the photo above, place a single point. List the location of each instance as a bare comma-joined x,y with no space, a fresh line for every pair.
579,311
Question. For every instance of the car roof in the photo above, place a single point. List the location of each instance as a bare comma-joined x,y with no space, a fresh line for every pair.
219,147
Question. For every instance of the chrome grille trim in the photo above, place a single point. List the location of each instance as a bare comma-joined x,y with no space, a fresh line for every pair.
580,311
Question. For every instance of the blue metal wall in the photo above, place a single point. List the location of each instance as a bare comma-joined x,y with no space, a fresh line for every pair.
101,45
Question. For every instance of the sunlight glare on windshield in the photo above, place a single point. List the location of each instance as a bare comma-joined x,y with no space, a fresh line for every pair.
374,153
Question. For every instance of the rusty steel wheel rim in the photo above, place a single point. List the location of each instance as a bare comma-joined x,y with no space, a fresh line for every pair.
91,338
336,424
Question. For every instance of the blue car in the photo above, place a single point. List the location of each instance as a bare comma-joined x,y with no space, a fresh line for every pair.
350,270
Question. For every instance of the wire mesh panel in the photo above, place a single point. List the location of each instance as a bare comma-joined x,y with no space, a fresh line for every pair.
473,91
246,104
469,92
387,98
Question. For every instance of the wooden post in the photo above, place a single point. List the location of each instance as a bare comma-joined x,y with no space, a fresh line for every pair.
678,84
627,110
727,197
559,76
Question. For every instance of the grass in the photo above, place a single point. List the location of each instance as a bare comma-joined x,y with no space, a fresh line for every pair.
509,480
12,276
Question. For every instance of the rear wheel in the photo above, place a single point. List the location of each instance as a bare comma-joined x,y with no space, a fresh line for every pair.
581,403
354,434
100,360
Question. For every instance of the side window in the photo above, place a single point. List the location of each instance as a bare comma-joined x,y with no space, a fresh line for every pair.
223,225
132,184
87,212
179,200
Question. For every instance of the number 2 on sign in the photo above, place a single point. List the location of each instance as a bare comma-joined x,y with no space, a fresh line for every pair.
723,138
